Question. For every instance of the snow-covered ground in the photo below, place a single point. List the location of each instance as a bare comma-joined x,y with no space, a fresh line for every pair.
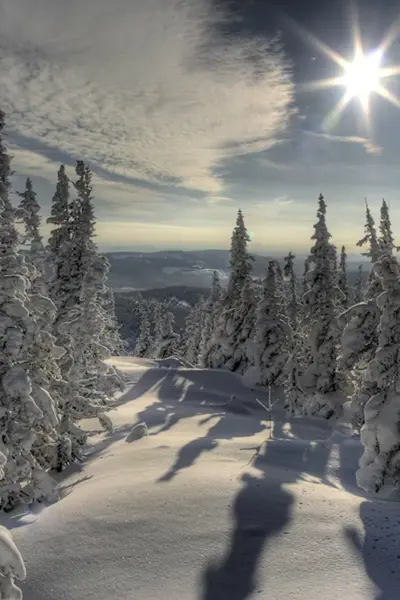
217,502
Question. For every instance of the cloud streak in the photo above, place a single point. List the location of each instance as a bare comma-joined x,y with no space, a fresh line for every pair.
369,146
146,90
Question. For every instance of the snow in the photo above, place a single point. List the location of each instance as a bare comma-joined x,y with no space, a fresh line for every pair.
220,501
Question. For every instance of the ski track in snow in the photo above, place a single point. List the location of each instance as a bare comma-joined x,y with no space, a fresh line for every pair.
217,502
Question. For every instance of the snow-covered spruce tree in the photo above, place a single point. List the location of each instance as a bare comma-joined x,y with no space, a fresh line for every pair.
280,287
380,433
305,274
194,324
358,286
12,567
166,341
59,215
95,380
242,323
297,346
373,253
386,238
112,338
342,278
21,420
224,342
28,213
292,303
211,310
270,342
360,338
77,287
320,381
144,342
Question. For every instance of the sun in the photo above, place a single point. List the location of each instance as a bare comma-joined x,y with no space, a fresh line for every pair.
361,76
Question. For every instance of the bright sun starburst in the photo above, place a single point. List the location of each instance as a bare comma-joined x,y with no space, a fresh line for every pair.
362,76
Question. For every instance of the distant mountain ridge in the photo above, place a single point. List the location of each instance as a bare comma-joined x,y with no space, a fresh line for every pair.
133,271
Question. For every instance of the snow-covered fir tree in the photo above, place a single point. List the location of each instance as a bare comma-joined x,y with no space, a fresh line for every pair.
320,381
386,238
342,278
292,303
211,311
370,237
194,325
242,327
359,338
380,433
144,342
167,341
78,287
270,342
358,286
228,334
296,342
111,334
24,424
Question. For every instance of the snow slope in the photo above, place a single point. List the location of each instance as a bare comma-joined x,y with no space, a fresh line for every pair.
217,502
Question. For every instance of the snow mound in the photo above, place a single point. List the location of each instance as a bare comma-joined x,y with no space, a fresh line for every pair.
137,432
172,362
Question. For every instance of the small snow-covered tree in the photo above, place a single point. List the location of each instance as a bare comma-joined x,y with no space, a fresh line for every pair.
386,238
192,335
223,344
380,433
60,214
211,310
12,567
112,338
305,274
167,341
270,343
242,326
358,286
320,381
28,212
144,341
292,303
342,278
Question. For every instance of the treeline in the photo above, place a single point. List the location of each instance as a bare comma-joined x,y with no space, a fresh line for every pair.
335,350
57,325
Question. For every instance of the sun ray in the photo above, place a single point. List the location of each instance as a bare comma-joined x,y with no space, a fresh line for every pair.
333,117
384,92
321,84
358,46
390,37
389,71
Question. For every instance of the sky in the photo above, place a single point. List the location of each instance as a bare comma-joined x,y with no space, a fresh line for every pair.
187,110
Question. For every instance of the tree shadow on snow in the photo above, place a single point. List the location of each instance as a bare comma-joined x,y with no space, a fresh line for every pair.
188,455
224,429
379,548
262,511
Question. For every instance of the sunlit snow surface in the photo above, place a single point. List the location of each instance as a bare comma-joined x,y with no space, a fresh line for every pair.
217,502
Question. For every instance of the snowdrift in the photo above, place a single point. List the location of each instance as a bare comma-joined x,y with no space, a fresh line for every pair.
217,501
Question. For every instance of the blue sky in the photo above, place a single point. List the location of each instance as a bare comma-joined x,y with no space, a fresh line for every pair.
186,111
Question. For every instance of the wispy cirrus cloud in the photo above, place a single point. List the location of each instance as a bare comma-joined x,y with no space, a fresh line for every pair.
369,146
146,90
